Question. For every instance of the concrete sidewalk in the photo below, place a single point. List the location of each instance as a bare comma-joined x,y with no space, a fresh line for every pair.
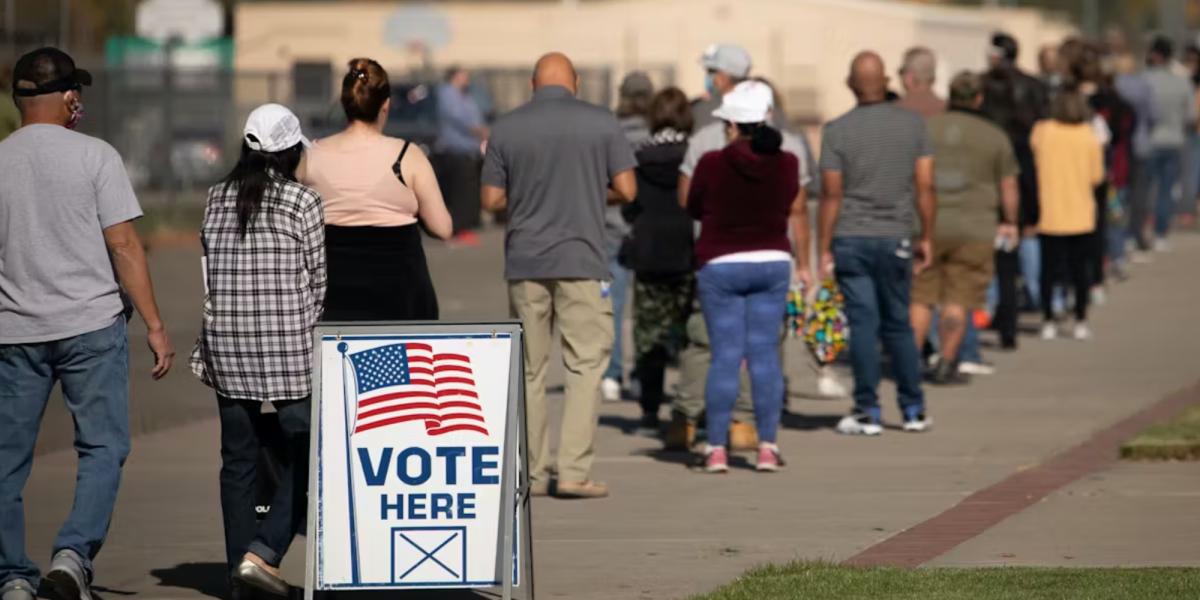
667,532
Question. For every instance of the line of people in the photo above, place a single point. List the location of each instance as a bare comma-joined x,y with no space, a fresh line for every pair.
298,232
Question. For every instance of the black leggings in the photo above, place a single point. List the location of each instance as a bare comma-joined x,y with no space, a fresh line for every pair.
1067,258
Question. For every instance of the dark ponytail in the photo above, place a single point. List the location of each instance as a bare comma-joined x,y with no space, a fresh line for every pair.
254,174
764,139
365,88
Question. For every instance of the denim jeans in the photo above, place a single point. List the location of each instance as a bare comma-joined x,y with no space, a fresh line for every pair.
875,276
619,291
241,437
1165,165
744,305
1030,252
93,369
1118,233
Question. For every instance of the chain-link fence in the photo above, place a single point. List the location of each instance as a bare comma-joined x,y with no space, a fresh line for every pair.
179,131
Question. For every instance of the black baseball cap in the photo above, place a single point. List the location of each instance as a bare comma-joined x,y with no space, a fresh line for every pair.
50,70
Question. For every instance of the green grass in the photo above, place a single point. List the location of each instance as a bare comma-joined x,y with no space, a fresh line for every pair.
817,581
1176,440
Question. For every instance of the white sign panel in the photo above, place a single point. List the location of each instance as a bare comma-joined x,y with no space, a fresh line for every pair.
191,20
411,445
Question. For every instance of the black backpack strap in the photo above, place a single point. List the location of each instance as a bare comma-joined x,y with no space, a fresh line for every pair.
396,165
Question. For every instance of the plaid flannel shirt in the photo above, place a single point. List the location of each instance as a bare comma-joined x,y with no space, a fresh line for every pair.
264,294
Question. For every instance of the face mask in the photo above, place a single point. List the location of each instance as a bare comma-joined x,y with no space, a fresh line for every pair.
710,86
76,115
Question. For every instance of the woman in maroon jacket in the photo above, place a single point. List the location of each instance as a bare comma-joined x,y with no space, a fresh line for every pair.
744,197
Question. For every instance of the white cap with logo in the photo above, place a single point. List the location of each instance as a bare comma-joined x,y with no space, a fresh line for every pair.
273,128
748,102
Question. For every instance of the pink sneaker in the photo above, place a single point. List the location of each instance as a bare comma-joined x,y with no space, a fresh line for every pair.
716,460
769,459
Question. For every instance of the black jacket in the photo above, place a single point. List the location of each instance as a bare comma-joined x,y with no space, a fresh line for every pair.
660,245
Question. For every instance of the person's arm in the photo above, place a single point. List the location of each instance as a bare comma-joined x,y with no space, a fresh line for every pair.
492,198
312,223
493,191
1010,203
801,238
926,210
431,206
1096,160
685,187
623,188
129,261
827,216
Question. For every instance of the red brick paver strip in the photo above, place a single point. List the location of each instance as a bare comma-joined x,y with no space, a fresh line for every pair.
989,506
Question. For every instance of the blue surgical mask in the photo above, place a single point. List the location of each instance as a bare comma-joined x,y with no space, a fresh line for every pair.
710,86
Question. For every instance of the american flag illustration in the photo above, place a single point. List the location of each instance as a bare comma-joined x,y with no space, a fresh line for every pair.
401,383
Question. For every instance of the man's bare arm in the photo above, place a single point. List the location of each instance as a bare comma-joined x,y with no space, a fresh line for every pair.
129,261
492,198
623,188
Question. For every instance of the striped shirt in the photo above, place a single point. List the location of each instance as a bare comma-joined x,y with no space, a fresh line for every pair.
264,294
875,147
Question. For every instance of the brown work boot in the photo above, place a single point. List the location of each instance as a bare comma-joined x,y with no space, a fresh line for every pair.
581,489
681,433
743,436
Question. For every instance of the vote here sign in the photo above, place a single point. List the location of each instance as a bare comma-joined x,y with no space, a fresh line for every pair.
410,460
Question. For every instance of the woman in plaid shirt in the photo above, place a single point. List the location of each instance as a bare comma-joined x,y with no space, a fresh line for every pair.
264,247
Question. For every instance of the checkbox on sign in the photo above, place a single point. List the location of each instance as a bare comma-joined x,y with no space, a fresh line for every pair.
429,555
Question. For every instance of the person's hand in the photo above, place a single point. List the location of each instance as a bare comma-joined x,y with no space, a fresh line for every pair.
804,277
1009,234
1030,231
164,352
922,255
826,264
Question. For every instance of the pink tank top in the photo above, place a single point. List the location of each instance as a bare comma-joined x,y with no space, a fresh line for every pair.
358,185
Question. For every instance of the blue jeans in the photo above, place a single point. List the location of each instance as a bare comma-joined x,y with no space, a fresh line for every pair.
244,431
1118,233
94,371
744,305
875,276
619,291
1165,165
1030,252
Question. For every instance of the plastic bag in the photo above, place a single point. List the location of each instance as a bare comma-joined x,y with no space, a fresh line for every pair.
820,320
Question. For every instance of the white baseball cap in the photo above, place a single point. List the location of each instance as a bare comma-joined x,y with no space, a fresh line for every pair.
748,102
273,128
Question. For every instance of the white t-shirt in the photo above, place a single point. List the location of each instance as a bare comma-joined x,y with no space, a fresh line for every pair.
61,190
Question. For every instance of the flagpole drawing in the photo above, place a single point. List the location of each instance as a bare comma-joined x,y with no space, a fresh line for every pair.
354,572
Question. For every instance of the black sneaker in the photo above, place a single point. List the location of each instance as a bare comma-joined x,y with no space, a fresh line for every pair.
649,425
947,373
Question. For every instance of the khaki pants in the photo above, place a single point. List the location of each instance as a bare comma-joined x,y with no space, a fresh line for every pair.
799,367
584,318
694,360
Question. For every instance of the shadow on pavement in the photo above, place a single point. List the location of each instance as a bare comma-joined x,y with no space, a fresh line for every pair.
801,422
208,578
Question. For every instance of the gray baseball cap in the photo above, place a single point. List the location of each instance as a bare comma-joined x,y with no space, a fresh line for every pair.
727,58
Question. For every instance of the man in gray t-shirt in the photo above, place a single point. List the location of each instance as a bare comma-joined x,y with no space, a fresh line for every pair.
67,249
876,164
555,163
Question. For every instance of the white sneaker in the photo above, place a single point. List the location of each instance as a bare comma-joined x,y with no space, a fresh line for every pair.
857,423
1099,296
918,424
976,368
828,386
1049,331
610,390
1082,333
1161,245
